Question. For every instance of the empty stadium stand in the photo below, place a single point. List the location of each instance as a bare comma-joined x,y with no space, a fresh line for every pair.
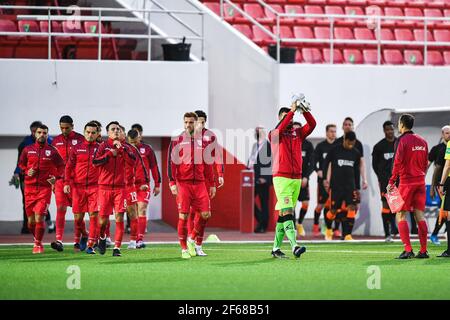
411,32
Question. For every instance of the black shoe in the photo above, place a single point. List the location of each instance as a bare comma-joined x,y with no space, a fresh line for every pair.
423,255
83,243
298,251
445,254
116,252
406,255
57,245
25,230
278,254
259,230
76,247
102,246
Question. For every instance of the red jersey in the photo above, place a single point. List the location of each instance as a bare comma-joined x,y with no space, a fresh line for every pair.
45,160
186,162
286,144
131,172
79,167
112,169
213,151
150,165
410,160
64,144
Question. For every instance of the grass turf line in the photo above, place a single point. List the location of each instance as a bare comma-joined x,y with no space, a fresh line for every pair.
231,271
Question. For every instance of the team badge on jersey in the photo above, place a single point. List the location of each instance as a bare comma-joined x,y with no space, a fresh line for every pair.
142,150
74,142
48,153
200,143
207,138
388,156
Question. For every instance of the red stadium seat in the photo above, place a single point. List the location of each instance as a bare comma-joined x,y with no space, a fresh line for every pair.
339,3
8,43
413,57
293,9
337,56
322,32
403,35
360,3
298,57
232,15
335,10
270,14
393,56
214,7
353,56
354,11
303,32
395,12
245,30
434,13
371,56
413,12
261,38
386,35
343,33
311,55
309,9
434,58
256,12
364,34
285,32
447,57
442,35
419,35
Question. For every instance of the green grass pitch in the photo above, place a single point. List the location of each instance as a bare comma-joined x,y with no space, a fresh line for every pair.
231,271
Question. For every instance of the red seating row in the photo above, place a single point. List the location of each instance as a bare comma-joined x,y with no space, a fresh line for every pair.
369,56
36,46
267,17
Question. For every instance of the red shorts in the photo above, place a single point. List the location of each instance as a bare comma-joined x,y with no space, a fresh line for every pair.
414,196
37,200
192,195
130,196
61,198
109,200
84,199
143,196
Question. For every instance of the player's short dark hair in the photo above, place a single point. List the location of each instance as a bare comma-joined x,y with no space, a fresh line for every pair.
350,136
201,114
137,127
133,134
66,119
111,123
35,124
283,110
297,123
43,127
387,124
91,124
99,125
190,115
349,119
407,120
329,126
122,127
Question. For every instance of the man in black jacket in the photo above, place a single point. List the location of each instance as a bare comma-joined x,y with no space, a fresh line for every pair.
261,162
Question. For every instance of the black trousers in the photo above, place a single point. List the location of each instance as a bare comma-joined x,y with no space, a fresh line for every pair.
262,215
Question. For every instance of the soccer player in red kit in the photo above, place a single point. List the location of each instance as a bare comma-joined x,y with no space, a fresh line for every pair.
410,166
64,143
42,166
213,155
111,157
142,184
187,171
81,178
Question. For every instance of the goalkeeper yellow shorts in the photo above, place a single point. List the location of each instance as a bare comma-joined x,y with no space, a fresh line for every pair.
287,191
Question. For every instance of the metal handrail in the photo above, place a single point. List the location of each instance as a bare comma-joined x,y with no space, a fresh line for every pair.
378,19
100,18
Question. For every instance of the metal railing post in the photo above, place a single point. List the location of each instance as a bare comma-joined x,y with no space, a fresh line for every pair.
379,40
278,39
149,49
49,35
332,40
203,36
425,50
221,9
99,34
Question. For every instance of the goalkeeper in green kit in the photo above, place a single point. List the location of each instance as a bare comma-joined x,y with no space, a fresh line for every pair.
286,143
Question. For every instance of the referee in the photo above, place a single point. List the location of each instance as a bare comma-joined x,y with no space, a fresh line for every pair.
443,190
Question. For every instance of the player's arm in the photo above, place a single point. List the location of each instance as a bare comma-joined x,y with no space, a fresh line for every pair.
318,158
171,170
218,160
209,176
376,160
69,170
309,126
23,161
130,156
326,182
282,125
362,169
398,160
310,160
357,173
102,156
154,171
58,162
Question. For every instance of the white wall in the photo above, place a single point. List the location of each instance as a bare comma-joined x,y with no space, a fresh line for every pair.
155,94
339,91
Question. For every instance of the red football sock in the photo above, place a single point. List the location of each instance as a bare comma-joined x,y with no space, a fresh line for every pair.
77,225
119,234
32,228
182,233
83,228
199,229
403,229
93,221
191,221
134,229
142,225
423,235
60,222
108,229
39,233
